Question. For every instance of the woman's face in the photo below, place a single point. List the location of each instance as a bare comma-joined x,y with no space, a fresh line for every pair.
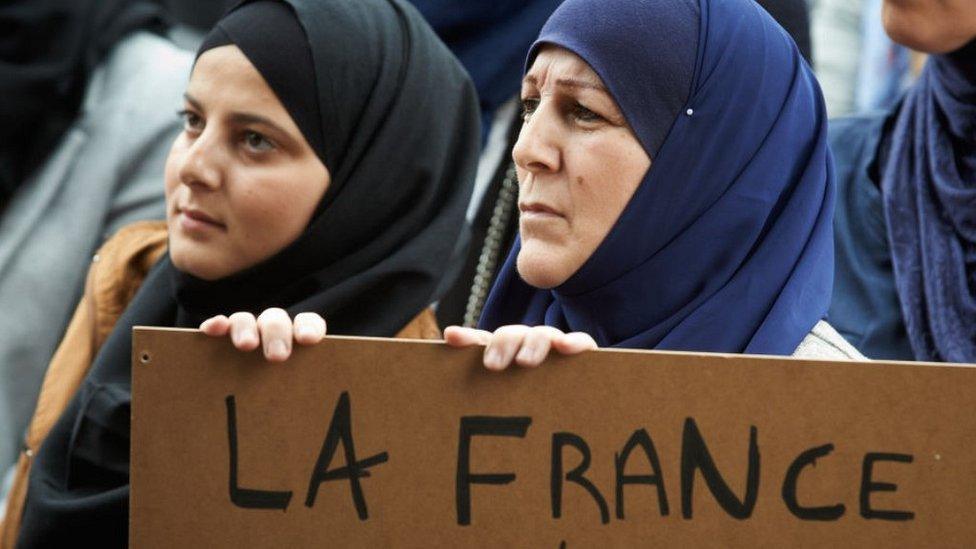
578,164
930,26
241,181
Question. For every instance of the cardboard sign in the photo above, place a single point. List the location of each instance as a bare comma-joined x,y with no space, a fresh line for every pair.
365,442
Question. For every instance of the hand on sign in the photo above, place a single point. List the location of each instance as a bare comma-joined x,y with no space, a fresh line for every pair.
526,346
273,330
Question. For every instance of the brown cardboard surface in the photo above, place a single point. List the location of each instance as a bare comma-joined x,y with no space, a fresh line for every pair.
406,399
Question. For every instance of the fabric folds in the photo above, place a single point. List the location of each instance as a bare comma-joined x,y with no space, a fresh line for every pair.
727,243
928,187
399,134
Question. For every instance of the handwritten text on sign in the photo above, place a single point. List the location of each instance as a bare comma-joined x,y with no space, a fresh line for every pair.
366,442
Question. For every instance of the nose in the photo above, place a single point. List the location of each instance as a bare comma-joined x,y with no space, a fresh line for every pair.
200,165
537,148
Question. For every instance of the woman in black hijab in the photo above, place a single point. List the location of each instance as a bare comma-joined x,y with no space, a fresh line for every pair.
380,175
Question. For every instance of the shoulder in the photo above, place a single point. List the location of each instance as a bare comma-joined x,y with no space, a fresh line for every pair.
824,343
137,245
118,269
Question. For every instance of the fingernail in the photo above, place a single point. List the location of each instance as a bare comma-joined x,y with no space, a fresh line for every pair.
492,357
579,339
526,354
277,349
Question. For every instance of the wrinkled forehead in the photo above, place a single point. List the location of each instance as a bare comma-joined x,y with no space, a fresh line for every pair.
554,64
558,68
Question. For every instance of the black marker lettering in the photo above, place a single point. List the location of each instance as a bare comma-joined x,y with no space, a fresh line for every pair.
868,486
809,457
695,455
340,430
576,475
244,497
484,426
642,439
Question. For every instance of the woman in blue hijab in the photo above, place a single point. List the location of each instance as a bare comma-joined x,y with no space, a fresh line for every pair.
675,189
906,216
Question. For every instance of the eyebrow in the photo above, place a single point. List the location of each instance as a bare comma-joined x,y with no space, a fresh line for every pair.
240,118
570,83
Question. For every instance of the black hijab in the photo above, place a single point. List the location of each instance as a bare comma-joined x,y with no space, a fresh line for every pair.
794,17
398,125
48,50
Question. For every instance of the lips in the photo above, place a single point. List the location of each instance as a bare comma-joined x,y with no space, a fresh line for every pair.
538,209
195,219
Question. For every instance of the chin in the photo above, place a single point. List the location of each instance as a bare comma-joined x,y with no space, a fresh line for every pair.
915,32
193,264
541,269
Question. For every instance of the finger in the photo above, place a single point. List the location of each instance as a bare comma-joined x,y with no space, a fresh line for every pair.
275,327
574,343
458,336
243,331
216,326
535,346
309,328
503,345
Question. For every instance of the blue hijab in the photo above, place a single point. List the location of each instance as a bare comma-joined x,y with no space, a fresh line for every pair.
490,39
928,181
727,243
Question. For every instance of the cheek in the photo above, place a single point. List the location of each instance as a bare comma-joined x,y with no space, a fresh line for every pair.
264,212
272,213
171,171
608,174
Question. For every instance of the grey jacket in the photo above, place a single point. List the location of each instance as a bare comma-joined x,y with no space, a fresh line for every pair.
106,172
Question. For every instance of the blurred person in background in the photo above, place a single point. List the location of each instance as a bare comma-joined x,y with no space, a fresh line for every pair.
85,125
905,226
192,19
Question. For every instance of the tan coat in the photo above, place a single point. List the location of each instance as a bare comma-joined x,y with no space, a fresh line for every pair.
116,273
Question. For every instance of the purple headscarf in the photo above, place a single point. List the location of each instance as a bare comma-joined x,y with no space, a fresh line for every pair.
727,244
928,182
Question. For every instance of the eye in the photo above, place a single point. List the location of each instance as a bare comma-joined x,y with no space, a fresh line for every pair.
257,142
529,106
584,114
192,122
